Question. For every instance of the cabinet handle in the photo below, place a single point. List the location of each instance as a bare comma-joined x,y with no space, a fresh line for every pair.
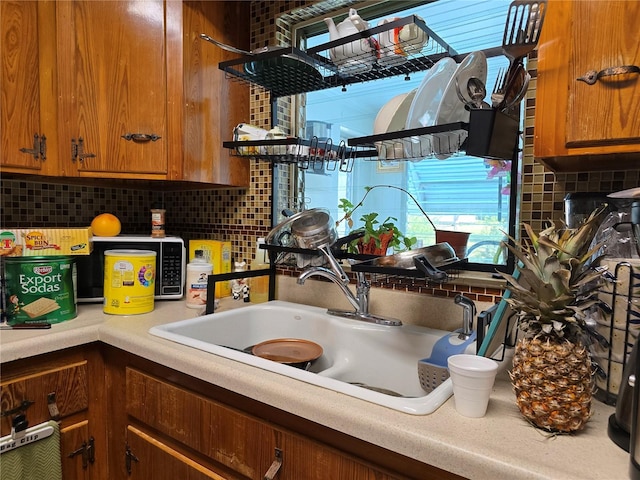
592,76
20,408
275,466
129,457
141,137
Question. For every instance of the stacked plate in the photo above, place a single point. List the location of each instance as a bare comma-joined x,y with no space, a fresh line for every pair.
434,102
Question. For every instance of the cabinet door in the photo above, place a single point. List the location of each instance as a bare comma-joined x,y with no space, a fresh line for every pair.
74,442
234,439
150,459
21,128
606,112
67,384
238,442
113,86
213,105
580,127
66,387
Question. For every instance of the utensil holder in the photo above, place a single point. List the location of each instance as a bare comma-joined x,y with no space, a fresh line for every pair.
492,134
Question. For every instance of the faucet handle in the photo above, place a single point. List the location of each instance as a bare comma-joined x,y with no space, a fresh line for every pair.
464,302
469,312
335,266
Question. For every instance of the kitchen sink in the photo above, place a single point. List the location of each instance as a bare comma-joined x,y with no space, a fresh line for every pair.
372,362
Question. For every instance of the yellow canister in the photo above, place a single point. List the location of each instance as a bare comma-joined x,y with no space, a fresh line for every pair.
129,281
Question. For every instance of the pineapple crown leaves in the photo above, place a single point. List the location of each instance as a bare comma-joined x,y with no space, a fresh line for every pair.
556,283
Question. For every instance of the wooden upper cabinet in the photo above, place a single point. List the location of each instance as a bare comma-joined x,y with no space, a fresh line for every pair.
113,93
212,104
122,90
579,126
27,81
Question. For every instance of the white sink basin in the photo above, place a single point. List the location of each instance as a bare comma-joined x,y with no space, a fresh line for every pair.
355,352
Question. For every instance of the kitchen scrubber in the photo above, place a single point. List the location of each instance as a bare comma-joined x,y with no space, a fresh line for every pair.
433,371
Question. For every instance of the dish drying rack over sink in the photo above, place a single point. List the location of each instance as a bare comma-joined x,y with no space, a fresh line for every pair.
489,134
285,71
288,71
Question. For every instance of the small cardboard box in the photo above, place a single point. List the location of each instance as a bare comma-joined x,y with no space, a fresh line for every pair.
36,242
218,253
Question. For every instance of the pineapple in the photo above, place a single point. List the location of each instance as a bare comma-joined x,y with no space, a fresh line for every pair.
552,375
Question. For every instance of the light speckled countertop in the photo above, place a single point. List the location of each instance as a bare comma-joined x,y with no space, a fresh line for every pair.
501,445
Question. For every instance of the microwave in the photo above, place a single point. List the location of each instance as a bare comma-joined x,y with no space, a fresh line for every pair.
170,265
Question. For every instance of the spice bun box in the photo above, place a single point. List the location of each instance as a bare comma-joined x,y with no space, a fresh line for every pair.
37,242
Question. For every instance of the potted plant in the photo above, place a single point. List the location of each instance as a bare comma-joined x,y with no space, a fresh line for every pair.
551,291
378,235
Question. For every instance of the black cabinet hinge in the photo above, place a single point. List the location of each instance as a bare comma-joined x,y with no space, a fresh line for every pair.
39,150
87,450
43,148
77,150
128,457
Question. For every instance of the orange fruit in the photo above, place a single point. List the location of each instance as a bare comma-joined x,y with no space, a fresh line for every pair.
106,225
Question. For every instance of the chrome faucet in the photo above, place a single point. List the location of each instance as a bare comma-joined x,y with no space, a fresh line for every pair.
468,314
360,301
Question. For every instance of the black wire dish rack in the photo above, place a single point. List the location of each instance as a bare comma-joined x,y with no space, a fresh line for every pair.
285,71
489,134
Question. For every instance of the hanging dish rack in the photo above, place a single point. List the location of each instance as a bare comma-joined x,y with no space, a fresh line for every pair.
285,71
314,154
290,71
489,134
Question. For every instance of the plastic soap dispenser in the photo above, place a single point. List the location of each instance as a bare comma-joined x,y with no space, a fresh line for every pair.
198,271
260,285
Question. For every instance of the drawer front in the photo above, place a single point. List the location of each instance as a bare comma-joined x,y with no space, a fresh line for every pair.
68,384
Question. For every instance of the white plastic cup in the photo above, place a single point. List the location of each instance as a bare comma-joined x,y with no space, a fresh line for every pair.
472,377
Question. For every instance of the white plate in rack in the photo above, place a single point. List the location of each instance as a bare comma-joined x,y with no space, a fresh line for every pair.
451,109
424,107
399,118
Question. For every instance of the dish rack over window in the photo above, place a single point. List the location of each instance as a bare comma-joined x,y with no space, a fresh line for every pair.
489,134
291,71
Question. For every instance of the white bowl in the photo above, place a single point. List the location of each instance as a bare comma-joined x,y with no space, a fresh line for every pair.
392,118
399,118
386,114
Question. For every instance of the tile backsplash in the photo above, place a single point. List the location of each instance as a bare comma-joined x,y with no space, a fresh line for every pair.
242,215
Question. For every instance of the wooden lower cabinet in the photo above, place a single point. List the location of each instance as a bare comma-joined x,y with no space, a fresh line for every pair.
229,437
144,421
75,444
67,387
169,425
